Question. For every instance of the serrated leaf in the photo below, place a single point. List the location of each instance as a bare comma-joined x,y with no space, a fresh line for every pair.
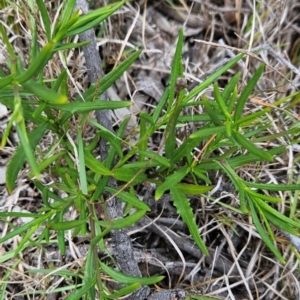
185,211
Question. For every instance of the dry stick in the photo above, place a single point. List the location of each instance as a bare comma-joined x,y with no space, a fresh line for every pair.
121,243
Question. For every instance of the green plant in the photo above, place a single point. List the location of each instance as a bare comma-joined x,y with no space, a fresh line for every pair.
179,171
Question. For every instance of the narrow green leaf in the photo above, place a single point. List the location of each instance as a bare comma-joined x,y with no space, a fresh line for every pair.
280,224
185,211
197,90
49,96
26,145
92,19
174,105
161,104
124,291
251,117
45,197
95,165
232,100
38,64
260,211
251,147
67,11
264,197
170,181
84,107
124,222
113,140
246,93
198,118
275,213
66,225
156,157
23,228
145,165
113,75
235,162
129,198
18,214
221,102
89,272
26,237
6,81
45,18
185,149
127,175
192,189
229,89
127,279
63,27
68,46
274,187
147,118
81,291
170,133
48,161
207,132
263,234
211,112
81,170
238,183
143,144
176,68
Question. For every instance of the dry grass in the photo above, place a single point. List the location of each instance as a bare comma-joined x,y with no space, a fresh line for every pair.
214,31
